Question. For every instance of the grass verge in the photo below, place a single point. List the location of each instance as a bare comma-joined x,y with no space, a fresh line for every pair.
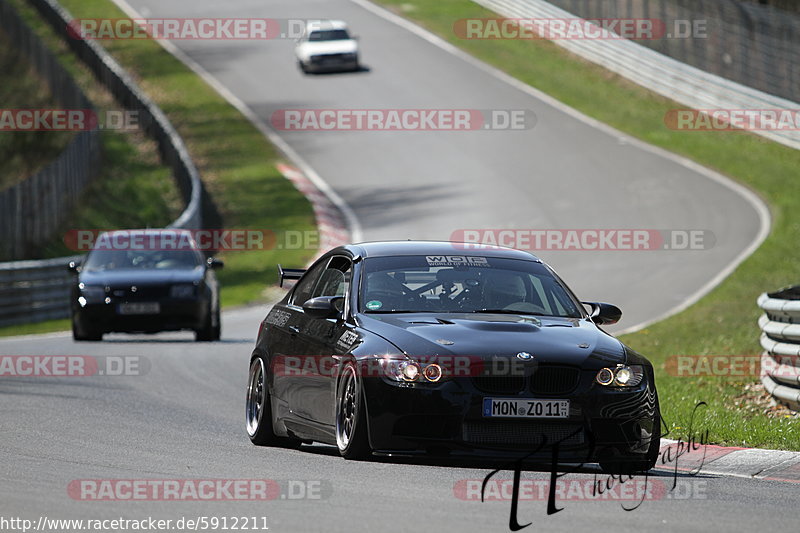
235,161
722,323
132,188
24,153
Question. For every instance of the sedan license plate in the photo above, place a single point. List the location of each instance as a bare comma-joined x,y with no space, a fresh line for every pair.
140,308
523,408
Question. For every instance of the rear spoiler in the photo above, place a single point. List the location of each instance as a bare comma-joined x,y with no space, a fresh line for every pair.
290,273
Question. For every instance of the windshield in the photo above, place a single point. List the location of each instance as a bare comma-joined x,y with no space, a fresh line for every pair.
328,35
462,284
142,259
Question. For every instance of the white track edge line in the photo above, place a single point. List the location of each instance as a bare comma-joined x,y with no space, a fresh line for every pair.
747,194
352,221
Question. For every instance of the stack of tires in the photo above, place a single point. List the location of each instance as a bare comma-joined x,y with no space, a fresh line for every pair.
780,339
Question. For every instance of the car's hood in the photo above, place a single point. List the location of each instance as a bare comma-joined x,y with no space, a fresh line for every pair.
125,277
344,46
551,340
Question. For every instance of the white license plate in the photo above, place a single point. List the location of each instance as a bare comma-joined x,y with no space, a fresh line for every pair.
522,408
140,308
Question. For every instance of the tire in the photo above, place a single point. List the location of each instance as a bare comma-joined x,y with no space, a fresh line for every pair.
351,421
258,410
302,67
212,329
82,333
619,465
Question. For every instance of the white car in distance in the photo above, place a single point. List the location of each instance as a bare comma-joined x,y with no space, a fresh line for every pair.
326,46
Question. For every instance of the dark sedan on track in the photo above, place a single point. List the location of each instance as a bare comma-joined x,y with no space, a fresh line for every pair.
145,281
446,349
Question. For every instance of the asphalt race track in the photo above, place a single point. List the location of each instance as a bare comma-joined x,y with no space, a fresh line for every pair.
182,417
562,174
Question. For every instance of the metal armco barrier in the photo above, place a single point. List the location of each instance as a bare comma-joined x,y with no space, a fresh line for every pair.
33,291
679,81
745,42
780,339
33,210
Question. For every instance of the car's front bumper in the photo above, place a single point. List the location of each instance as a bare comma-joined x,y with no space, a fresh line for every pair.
331,64
173,315
448,417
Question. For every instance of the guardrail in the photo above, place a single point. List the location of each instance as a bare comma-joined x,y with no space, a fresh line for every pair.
151,119
33,291
664,75
32,210
743,41
780,339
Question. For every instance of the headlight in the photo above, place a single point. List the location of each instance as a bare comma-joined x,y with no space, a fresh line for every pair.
621,376
411,371
432,372
181,291
605,376
92,292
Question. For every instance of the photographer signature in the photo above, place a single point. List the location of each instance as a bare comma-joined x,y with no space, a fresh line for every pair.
670,456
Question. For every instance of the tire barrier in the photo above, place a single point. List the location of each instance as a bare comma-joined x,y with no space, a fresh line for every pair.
780,339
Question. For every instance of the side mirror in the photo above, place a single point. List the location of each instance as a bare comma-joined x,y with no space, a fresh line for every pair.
74,266
324,307
604,314
214,263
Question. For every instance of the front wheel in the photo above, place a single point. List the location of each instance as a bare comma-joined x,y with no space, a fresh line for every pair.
82,333
351,422
212,329
619,465
258,410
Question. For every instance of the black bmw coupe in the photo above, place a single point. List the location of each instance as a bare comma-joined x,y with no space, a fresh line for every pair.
446,349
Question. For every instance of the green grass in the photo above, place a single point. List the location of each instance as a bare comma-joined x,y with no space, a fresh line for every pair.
36,328
24,153
724,322
235,161
132,187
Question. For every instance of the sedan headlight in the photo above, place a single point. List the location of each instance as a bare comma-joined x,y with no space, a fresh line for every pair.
620,376
181,291
92,292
